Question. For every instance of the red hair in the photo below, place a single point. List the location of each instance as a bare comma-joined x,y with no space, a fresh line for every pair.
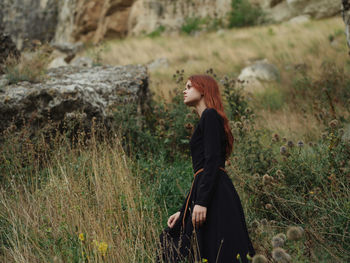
210,89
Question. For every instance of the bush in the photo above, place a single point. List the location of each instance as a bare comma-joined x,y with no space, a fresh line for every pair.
30,67
157,32
244,14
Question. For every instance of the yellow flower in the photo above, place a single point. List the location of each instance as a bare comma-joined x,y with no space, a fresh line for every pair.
102,248
204,260
311,192
81,236
238,256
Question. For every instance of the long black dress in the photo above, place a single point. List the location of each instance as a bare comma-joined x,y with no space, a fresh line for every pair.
224,233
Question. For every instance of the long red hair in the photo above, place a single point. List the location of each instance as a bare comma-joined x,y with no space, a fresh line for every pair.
212,97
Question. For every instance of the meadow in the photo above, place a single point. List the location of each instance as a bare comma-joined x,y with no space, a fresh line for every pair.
106,198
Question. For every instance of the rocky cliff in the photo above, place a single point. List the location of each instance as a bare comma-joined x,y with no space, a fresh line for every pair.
93,20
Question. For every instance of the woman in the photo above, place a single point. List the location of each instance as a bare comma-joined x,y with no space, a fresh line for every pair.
210,224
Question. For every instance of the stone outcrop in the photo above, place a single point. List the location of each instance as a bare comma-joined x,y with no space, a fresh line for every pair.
74,93
148,15
29,19
94,20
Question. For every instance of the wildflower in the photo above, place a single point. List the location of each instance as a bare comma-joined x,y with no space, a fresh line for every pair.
264,221
280,255
283,150
268,206
102,248
238,124
333,123
341,131
243,118
276,136
312,192
267,179
281,235
248,110
238,256
294,233
300,143
249,257
246,122
252,116
81,237
204,260
280,174
311,144
258,258
188,126
277,242
324,135
284,139
256,176
255,223
290,144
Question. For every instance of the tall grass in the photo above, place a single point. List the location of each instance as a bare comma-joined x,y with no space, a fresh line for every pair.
90,208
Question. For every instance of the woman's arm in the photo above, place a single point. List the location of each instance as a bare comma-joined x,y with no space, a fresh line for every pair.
211,129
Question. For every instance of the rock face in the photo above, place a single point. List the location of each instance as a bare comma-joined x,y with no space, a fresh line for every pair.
74,93
29,19
148,15
94,20
286,9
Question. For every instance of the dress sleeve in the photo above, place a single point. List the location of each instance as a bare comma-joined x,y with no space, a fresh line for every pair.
212,149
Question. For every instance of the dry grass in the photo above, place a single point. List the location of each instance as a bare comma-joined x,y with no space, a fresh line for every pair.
285,45
90,191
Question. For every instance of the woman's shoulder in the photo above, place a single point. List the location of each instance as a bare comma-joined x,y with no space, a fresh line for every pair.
210,114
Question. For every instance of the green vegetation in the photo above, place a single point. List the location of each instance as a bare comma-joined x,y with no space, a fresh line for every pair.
244,14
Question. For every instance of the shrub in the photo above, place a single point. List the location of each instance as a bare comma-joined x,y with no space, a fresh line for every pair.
244,14
30,67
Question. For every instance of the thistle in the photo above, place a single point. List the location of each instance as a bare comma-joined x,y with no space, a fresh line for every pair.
277,242
295,233
264,221
283,150
281,235
333,123
300,143
290,144
280,255
268,206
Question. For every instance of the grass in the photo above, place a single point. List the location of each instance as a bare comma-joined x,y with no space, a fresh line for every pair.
97,202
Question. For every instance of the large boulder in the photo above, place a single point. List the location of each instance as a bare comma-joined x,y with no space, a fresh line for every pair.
74,93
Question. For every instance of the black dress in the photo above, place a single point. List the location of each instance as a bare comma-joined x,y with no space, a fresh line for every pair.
224,233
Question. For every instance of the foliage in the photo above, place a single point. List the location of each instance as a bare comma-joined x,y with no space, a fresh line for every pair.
157,32
28,67
244,14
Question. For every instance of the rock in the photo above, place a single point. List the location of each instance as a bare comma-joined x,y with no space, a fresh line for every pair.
57,62
71,91
260,70
67,47
82,62
299,19
29,19
314,8
147,15
158,63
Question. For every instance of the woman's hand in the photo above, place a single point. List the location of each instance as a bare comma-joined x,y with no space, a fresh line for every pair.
199,215
172,219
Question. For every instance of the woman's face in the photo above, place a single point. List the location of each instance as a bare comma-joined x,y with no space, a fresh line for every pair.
191,95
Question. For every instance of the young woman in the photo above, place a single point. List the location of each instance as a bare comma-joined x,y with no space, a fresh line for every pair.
211,223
